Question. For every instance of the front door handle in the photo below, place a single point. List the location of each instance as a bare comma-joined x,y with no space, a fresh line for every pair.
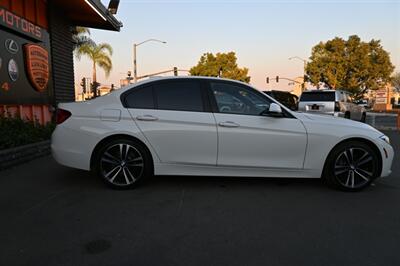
228,124
146,118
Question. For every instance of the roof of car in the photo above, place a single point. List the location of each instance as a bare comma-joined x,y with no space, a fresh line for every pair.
309,91
154,79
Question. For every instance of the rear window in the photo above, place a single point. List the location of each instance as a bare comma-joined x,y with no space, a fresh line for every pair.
318,96
140,98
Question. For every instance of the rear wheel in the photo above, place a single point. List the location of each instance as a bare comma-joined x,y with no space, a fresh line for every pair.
123,163
347,115
351,166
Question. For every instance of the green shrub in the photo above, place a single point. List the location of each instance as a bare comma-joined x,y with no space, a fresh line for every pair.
15,132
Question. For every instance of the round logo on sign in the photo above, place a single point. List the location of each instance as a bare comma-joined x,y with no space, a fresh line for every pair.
13,70
11,46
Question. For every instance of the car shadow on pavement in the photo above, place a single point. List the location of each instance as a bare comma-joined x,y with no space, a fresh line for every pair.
88,180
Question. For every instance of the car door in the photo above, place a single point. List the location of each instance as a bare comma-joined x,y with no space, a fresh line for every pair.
173,116
248,139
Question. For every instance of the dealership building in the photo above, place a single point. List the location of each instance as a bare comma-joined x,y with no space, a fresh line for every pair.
36,54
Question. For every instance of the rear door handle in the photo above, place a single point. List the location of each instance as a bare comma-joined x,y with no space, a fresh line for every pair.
146,118
228,124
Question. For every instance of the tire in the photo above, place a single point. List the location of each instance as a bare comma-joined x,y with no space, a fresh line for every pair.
351,166
347,115
123,163
363,118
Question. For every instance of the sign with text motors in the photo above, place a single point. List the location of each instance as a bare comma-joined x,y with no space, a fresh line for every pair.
21,25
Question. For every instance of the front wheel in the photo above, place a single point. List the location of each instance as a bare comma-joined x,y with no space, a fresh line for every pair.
123,163
351,166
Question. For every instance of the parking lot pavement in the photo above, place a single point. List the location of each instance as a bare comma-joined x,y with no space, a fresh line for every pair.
52,215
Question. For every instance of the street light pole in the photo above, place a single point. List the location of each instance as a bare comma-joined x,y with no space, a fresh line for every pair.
134,64
135,45
303,86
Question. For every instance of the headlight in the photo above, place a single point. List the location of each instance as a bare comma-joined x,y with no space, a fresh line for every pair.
385,139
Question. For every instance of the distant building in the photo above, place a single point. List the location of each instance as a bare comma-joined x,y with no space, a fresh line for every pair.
104,90
124,82
384,99
298,86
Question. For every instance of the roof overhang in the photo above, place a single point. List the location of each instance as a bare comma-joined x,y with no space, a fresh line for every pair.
88,13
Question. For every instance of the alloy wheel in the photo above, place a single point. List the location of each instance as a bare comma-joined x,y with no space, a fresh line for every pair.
121,164
354,167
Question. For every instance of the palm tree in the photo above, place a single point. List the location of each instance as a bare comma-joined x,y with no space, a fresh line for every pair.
100,55
80,36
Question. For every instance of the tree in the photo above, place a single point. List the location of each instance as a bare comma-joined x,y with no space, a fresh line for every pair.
80,36
221,64
396,81
351,65
100,55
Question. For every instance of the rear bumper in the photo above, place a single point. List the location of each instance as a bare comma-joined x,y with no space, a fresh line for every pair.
72,148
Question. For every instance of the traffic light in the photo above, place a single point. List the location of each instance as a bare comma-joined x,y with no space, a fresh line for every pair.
83,85
175,71
277,79
267,80
95,86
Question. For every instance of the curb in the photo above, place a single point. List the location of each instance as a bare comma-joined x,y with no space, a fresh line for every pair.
18,155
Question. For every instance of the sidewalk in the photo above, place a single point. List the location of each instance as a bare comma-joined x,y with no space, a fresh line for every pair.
383,121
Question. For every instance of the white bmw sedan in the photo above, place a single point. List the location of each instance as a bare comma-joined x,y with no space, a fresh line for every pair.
213,127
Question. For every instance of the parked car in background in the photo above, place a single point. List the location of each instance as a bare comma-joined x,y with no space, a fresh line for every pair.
331,102
284,97
363,103
182,126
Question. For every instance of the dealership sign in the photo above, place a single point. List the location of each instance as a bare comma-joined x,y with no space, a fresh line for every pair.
381,96
21,25
37,66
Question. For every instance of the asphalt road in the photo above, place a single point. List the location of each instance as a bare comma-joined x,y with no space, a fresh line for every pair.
52,215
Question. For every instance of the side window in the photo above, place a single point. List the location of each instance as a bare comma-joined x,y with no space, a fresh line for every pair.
236,99
179,96
140,98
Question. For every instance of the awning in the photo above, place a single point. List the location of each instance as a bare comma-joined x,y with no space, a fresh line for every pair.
88,13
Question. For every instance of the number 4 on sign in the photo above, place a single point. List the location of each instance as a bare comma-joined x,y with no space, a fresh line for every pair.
5,86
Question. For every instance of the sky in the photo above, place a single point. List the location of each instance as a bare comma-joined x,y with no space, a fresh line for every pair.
263,34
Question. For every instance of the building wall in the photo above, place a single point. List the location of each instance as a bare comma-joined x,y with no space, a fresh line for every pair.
32,10
62,55
27,103
61,81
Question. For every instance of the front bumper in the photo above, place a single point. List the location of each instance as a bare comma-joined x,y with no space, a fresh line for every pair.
387,154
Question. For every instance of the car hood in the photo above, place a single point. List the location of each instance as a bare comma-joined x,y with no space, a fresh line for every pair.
338,122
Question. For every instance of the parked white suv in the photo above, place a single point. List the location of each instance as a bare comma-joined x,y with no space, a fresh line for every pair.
213,127
331,102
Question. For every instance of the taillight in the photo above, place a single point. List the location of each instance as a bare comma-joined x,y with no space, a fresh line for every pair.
337,107
62,115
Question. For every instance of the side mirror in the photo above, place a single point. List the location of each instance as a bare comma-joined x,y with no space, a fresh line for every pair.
274,110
